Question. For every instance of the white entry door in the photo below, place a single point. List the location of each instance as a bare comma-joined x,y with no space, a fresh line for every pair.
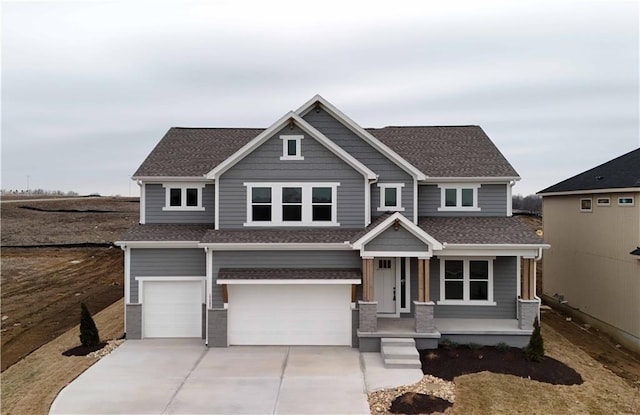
385,284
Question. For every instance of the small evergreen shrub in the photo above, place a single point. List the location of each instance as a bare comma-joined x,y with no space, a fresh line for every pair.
89,336
535,349
474,346
502,347
449,345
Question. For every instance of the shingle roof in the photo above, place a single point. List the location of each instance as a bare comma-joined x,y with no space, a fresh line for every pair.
621,172
479,230
162,232
279,236
459,151
453,151
289,274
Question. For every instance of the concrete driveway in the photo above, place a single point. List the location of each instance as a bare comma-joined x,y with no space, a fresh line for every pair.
184,377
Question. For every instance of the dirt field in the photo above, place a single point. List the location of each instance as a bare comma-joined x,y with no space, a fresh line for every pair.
42,288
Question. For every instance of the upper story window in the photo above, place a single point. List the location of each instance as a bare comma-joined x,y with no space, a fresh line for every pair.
291,147
585,205
391,197
625,201
459,197
183,196
292,204
466,281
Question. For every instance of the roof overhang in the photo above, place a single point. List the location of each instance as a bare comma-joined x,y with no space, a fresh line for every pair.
266,246
405,223
591,191
157,244
274,128
533,251
288,282
360,132
504,179
165,179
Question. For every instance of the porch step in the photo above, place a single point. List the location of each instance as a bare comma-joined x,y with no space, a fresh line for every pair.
400,353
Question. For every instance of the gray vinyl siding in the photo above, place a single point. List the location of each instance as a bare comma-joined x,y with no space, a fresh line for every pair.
155,200
504,293
387,170
492,200
279,259
165,262
395,241
264,165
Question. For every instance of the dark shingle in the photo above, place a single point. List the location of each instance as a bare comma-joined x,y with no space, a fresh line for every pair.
289,274
162,232
479,230
621,172
279,236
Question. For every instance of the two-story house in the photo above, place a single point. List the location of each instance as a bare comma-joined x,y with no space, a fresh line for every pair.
316,231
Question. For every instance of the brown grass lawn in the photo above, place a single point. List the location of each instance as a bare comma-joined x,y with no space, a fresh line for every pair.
31,385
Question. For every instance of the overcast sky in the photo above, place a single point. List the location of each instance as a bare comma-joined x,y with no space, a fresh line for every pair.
89,88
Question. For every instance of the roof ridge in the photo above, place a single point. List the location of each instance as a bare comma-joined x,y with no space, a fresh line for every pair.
217,128
424,126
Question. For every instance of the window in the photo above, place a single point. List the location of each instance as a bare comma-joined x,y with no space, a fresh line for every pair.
391,197
585,205
291,204
625,201
291,147
461,197
384,264
183,196
603,201
466,281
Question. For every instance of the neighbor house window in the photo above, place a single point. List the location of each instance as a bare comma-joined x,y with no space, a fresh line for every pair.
390,197
292,204
603,201
625,201
291,147
585,205
183,196
466,281
459,197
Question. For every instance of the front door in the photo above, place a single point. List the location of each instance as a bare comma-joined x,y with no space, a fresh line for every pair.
385,284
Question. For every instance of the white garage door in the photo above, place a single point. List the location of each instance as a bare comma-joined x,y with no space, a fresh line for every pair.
172,308
290,314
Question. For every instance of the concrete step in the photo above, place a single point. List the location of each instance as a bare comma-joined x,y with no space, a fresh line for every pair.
402,364
399,352
397,341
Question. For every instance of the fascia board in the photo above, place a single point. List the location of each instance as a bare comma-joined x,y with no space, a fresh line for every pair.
362,133
289,282
165,179
496,246
158,244
277,246
474,179
592,191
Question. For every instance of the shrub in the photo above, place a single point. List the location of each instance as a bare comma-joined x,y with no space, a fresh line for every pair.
449,344
535,349
502,347
89,336
474,346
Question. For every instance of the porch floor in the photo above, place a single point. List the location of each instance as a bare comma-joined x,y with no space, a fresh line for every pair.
405,327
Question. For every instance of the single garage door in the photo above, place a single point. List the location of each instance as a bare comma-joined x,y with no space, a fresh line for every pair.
289,314
172,308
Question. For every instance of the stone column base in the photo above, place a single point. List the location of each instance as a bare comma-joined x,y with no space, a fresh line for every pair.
527,313
134,321
423,313
368,316
217,328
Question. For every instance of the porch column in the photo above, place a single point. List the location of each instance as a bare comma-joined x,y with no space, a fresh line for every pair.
368,308
423,280
367,279
527,283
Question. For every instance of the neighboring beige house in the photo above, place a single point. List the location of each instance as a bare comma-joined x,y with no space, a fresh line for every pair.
592,222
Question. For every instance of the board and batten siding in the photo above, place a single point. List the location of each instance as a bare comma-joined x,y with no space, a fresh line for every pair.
279,259
392,240
492,200
264,165
387,170
504,293
165,262
155,199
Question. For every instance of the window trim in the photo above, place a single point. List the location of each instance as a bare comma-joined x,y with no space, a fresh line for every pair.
466,282
458,187
398,207
633,201
307,204
607,203
183,194
584,199
285,141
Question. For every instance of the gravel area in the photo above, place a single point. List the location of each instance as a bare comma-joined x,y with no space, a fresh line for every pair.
111,346
380,401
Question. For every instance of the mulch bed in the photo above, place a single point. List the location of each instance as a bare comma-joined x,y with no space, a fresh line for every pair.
418,403
452,362
83,351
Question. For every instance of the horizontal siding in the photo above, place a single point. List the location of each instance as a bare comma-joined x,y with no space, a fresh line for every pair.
279,259
387,170
155,200
492,200
264,164
396,240
504,293
165,262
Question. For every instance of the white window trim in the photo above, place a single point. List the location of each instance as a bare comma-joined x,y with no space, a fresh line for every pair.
633,201
285,154
407,288
591,204
608,203
307,210
459,207
465,281
183,186
398,207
